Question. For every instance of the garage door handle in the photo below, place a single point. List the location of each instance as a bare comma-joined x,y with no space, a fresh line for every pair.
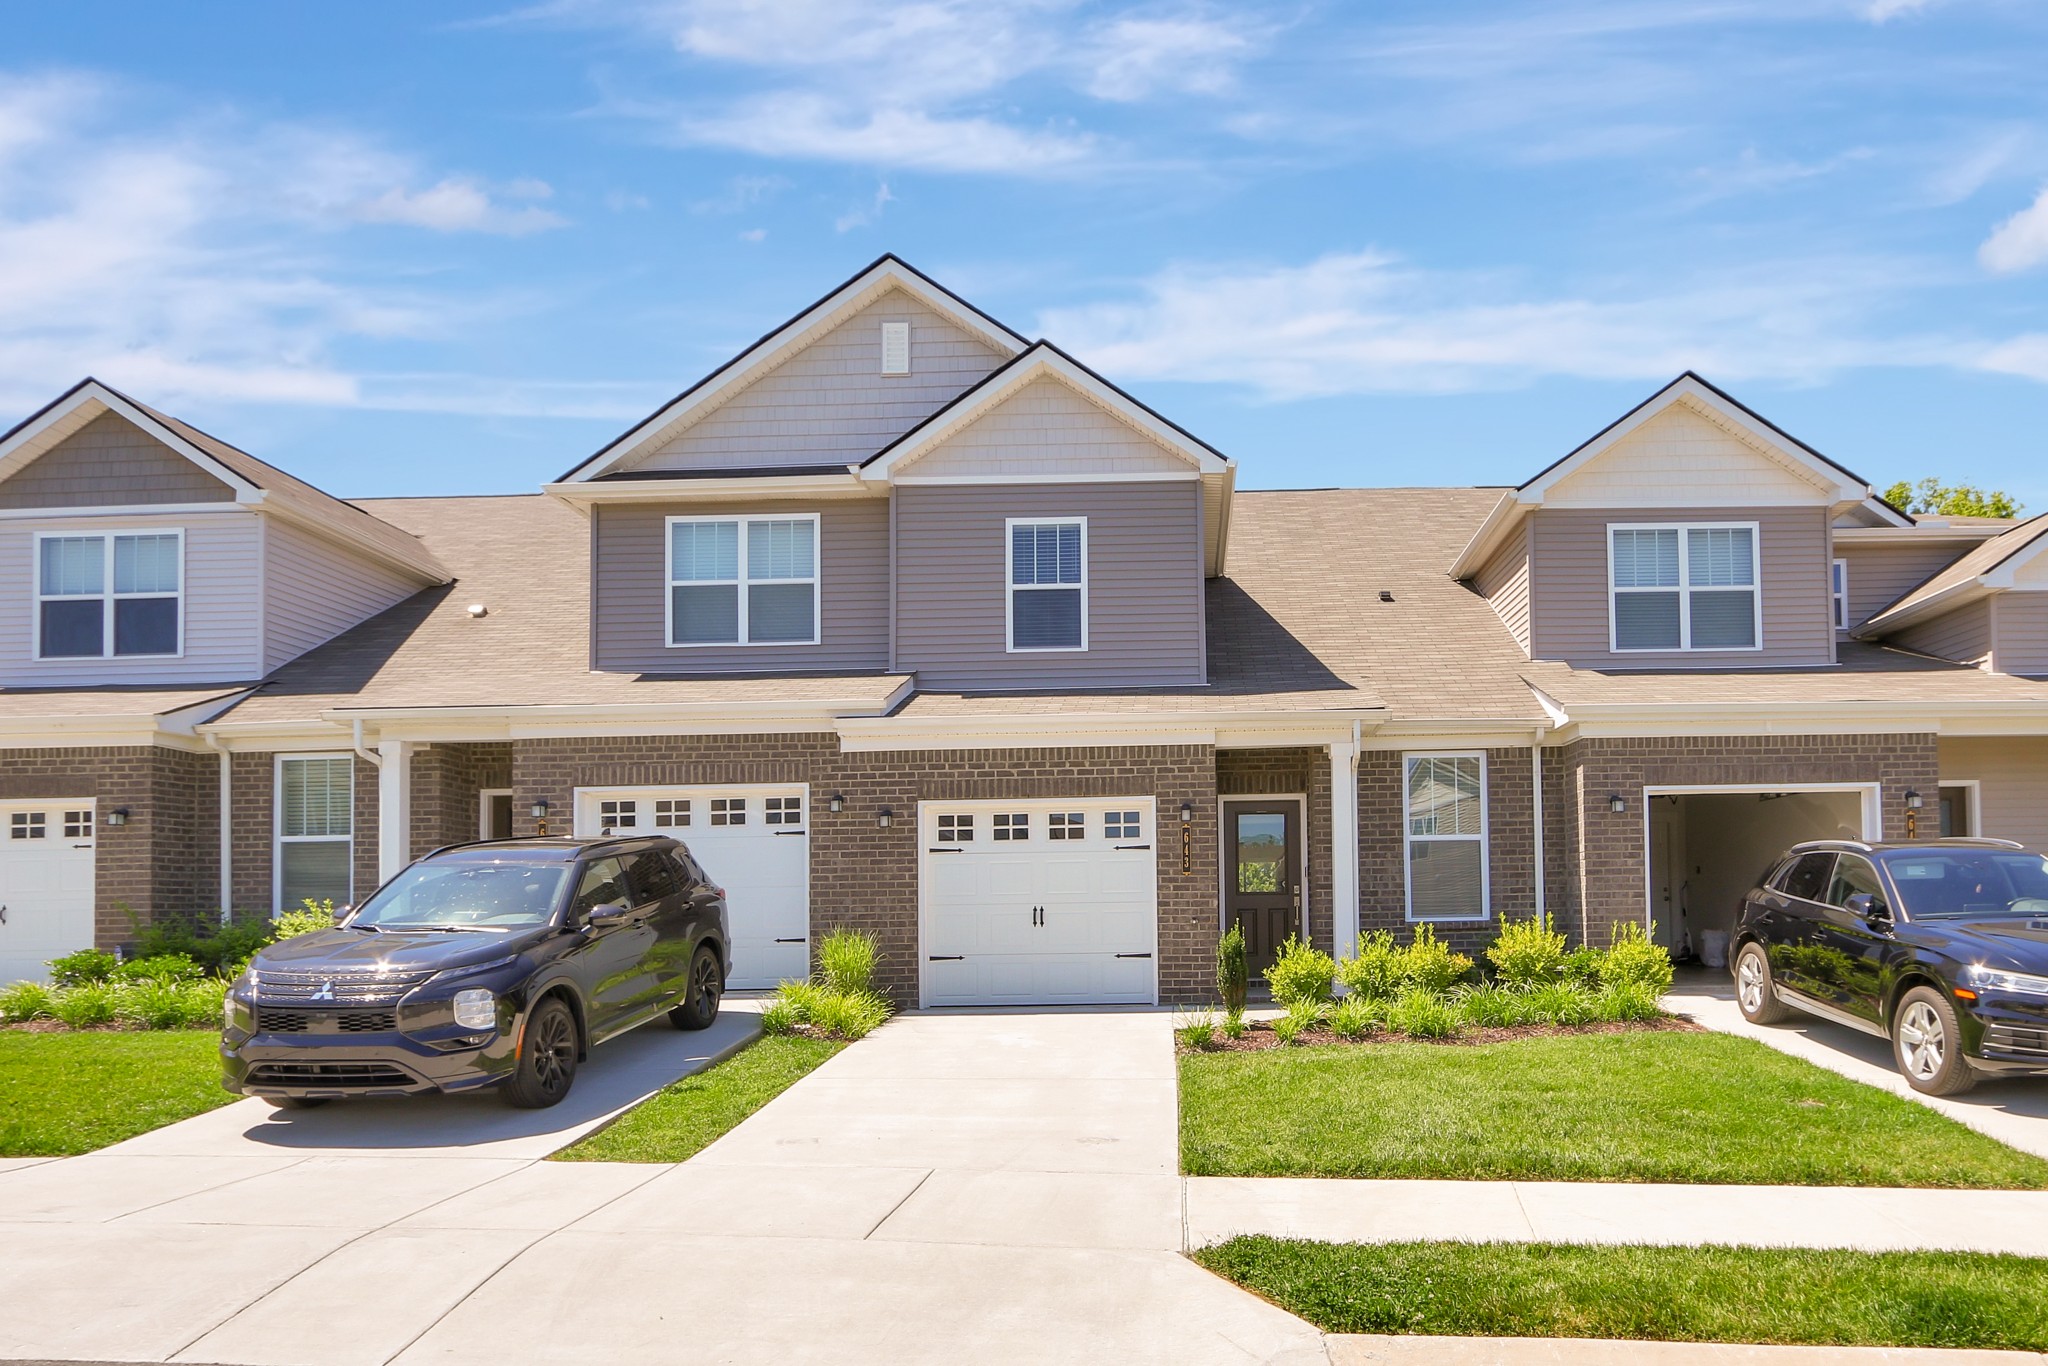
946,958
792,941
1134,955
792,832
945,851
1121,847
3,915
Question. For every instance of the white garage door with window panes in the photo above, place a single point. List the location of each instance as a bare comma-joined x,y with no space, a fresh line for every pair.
1039,903
46,884
753,841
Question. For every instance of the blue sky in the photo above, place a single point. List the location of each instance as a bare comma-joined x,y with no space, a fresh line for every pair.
404,248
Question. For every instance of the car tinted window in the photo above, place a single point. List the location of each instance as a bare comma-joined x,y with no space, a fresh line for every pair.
1943,883
603,883
1853,874
653,877
1807,878
477,892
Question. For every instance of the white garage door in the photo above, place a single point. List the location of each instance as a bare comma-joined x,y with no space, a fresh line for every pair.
753,841
1039,903
46,884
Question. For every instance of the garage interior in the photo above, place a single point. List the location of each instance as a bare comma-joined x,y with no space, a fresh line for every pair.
1708,849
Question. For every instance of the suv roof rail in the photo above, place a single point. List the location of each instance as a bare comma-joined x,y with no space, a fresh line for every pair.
1830,844
1992,840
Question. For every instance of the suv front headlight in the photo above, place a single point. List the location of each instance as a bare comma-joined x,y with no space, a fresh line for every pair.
2012,983
476,1008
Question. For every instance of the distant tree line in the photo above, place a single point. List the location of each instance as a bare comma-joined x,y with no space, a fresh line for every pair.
1951,500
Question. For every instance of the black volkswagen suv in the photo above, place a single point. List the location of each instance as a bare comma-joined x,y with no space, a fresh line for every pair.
492,964
1940,945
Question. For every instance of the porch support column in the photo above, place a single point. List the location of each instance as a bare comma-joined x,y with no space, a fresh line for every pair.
394,806
1344,846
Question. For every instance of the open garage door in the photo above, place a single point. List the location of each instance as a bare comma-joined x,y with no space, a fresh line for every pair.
1039,903
1707,847
46,884
753,841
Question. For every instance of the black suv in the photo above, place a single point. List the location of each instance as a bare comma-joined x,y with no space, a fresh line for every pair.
492,964
1940,945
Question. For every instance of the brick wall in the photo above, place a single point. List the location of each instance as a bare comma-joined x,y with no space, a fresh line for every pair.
447,781
1383,853
865,877
166,859
1299,770
255,805
1597,868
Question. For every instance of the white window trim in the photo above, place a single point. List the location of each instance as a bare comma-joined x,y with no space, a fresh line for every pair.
1011,588
483,810
669,584
1484,837
107,597
1838,593
278,839
1685,588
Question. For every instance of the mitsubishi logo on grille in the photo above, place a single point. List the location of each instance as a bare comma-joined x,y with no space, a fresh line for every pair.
326,992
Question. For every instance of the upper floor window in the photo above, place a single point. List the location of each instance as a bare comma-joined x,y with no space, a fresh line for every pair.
1048,584
1684,587
1838,593
743,580
102,596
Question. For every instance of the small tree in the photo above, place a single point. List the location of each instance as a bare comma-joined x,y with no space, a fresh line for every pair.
1960,500
1233,973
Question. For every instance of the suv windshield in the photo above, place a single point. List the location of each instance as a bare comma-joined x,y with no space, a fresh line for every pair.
1952,884
497,893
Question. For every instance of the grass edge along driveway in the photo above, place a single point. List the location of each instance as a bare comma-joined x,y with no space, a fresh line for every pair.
63,1093
1652,1106
1830,1297
684,1118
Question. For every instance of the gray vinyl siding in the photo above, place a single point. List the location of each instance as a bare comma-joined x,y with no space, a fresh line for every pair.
1504,581
830,402
1046,428
1569,588
1963,635
314,590
1880,574
2020,623
629,588
2012,776
1145,585
221,624
110,462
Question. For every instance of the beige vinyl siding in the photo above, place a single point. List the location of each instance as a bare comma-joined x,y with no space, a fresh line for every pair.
110,462
830,401
1569,587
1963,635
314,590
1881,573
629,591
1144,573
1046,429
2020,626
1504,581
2012,774
219,612
1682,457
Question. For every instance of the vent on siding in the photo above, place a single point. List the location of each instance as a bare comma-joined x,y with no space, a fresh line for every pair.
895,348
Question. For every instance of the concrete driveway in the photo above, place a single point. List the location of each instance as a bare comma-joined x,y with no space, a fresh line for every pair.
973,1186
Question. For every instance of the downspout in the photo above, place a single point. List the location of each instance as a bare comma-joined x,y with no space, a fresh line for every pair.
368,755
1536,792
227,828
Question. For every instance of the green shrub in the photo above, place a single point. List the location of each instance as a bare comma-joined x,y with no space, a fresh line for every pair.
779,1017
800,996
1301,973
1308,1015
1357,1016
25,1001
1233,1026
86,965
165,967
1286,1028
1490,1006
1423,1014
1197,1031
1582,966
1528,953
1563,1003
1376,970
1634,959
217,948
203,1001
850,1014
310,915
85,1005
150,1004
847,959
1428,964
1628,1001
1233,973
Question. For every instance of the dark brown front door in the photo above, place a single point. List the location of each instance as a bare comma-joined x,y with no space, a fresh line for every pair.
1262,887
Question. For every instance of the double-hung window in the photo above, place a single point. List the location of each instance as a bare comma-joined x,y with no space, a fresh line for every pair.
98,597
1838,593
315,829
1048,584
1684,587
743,580
1446,836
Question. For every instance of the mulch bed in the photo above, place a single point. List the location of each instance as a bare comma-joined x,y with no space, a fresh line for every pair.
1259,1036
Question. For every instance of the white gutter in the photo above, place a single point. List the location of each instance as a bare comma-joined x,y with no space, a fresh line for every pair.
363,751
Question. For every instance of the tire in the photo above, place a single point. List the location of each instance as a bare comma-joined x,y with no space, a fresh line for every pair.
547,1057
296,1102
1927,1044
1756,994
707,984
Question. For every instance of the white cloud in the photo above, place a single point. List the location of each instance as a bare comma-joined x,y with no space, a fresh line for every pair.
2025,356
2020,242
1364,322
864,214
754,235
742,193
1136,56
1883,11
800,125
460,204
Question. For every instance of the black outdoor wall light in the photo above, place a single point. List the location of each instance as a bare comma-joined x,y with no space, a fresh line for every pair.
1617,804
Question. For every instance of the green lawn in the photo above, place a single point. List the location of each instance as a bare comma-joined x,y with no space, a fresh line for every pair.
685,1118
72,1093
1586,1107
1684,1294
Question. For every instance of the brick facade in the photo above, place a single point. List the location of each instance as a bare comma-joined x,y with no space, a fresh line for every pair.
1383,850
255,801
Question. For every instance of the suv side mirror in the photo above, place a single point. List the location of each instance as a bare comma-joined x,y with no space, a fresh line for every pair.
1867,906
606,915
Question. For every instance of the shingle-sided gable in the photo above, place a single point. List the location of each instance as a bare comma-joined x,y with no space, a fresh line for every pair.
110,461
1045,429
1684,456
